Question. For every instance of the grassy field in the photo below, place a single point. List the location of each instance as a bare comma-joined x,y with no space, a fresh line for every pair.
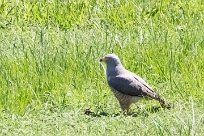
50,71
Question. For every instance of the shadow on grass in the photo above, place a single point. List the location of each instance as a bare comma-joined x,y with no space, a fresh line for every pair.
88,112
139,112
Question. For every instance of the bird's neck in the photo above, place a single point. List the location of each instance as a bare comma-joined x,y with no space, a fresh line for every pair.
114,70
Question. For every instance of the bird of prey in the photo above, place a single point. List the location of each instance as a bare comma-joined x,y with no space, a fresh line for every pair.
127,87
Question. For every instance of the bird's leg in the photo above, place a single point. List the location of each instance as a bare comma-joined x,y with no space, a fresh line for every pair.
125,108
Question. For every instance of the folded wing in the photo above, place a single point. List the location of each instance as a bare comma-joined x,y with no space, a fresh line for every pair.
131,85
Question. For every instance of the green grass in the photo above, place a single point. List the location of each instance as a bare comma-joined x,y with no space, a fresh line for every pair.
50,73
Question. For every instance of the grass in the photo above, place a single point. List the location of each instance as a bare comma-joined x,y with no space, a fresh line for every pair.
50,73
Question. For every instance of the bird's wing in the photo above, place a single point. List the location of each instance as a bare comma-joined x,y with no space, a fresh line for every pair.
141,80
130,85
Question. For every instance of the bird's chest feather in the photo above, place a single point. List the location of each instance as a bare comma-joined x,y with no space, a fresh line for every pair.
108,78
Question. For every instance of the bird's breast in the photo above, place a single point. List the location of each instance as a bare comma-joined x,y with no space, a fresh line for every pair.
108,78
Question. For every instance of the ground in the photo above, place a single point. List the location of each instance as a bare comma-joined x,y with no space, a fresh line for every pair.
50,71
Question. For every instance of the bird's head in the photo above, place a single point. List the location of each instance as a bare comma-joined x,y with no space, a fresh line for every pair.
111,59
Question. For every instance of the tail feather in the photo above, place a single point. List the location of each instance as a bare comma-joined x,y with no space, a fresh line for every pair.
163,103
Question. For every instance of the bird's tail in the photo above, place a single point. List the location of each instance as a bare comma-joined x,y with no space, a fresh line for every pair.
156,96
163,103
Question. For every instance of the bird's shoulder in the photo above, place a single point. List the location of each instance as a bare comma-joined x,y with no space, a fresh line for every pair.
124,81
122,77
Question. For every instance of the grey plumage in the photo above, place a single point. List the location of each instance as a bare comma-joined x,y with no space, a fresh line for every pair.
127,87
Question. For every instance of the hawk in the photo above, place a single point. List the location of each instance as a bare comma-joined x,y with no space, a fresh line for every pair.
127,87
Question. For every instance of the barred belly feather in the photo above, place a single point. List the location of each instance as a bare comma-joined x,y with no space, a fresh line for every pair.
126,99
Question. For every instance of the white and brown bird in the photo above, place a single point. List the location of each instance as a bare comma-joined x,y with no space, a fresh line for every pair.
126,86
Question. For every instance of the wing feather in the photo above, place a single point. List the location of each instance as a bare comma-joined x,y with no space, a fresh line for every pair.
129,85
